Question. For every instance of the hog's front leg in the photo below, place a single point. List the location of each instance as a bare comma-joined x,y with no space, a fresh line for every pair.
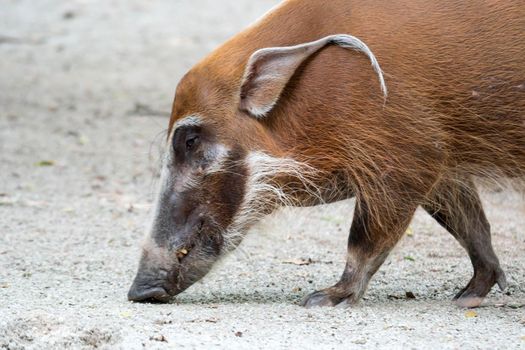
369,244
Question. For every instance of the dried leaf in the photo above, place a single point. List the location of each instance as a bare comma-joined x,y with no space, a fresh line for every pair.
159,337
45,163
68,15
163,321
83,140
299,262
471,314
35,204
6,202
332,220
125,314
393,296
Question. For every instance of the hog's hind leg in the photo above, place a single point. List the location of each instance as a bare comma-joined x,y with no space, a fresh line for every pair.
457,207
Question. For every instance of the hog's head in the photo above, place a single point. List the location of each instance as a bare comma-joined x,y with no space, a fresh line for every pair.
201,191
226,164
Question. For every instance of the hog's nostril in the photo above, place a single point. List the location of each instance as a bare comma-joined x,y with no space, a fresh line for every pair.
148,295
200,225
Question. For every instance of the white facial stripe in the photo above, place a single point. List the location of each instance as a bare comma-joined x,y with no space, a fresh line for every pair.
192,120
263,193
165,183
191,178
218,154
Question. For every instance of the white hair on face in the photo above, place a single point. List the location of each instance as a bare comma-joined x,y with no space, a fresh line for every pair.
192,120
165,183
264,168
215,156
263,193
218,154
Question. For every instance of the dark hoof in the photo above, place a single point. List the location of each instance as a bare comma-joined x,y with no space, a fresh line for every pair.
501,280
324,298
479,286
317,299
468,301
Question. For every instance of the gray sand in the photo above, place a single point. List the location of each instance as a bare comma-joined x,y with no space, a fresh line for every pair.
88,86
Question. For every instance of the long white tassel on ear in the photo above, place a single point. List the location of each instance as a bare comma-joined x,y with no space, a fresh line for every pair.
351,42
269,70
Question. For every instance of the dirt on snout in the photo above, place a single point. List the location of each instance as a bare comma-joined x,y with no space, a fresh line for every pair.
85,93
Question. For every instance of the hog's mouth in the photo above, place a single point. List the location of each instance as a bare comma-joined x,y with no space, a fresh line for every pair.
149,295
161,285
142,291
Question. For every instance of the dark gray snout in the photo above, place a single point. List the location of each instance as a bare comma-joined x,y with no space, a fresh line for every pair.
150,284
143,292
158,284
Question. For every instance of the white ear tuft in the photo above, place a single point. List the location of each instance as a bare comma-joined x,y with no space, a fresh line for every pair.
269,70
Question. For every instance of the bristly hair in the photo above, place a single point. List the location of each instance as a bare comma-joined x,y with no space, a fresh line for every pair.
272,182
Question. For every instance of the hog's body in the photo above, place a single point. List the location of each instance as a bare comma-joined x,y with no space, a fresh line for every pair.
309,124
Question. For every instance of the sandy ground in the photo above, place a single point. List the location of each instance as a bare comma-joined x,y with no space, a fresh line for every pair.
86,88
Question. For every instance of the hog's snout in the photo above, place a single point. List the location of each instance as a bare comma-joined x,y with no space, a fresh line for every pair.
152,282
142,293
156,281
160,275
148,287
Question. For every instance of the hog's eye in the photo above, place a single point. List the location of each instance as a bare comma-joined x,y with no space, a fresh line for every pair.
185,143
191,142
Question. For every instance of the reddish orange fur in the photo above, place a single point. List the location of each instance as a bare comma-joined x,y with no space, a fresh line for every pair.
455,71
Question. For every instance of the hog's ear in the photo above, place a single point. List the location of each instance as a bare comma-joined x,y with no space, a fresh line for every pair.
269,70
